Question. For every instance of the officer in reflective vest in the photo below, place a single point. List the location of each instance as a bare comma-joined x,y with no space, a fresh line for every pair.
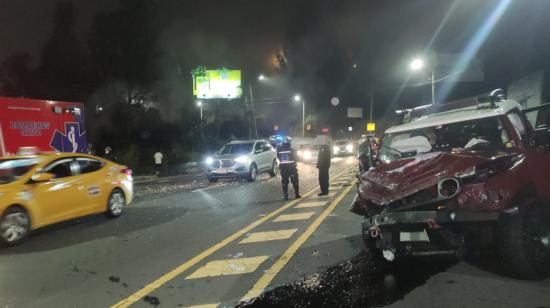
287,164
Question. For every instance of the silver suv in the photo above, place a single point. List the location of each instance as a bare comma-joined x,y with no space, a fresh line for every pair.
242,159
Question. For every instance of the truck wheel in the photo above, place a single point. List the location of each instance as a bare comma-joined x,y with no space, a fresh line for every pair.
252,173
525,242
14,226
273,171
370,247
115,204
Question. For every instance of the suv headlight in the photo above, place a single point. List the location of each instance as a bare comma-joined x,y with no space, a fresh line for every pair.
241,159
349,147
209,160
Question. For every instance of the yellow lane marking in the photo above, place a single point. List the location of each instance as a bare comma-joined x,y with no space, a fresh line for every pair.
297,216
205,306
228,267
310,204
268,236
270,274
138,295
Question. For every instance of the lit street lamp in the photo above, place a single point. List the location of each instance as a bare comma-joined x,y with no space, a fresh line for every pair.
416,65
298,98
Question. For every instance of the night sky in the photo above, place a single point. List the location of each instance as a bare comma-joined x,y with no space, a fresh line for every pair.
321,40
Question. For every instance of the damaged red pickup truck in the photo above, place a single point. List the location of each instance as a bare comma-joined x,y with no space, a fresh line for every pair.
460,177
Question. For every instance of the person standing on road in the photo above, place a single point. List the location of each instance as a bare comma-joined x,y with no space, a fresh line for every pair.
108,154
289,170
158,162
323,164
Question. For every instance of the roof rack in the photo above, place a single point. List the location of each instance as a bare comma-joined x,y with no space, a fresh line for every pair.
483,101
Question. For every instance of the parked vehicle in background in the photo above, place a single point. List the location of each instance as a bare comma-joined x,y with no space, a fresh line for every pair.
342,147
462,179
242,159
43,124
37,190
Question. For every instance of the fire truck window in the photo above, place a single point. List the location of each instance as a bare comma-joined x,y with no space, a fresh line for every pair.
61,169
88,165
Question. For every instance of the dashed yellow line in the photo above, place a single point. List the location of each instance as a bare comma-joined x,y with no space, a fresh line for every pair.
270,274
292,217
268,236
228,267
198,258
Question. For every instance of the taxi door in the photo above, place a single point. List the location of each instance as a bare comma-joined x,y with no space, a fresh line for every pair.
92,184
61,198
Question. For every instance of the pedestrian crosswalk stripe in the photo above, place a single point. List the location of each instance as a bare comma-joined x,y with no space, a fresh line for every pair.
204,306
290,217
268,236
228,267
311,204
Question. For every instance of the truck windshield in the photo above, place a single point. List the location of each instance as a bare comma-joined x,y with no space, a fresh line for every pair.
487,134
236,148
13,169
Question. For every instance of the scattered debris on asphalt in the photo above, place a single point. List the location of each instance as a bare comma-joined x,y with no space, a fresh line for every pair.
114,279
362,281
152,300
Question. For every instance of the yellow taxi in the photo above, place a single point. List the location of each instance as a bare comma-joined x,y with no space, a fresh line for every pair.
43,189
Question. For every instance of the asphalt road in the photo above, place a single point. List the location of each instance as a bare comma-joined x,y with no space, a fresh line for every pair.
185,242
97,262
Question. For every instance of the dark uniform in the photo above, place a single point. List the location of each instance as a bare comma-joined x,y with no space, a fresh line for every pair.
289,172
323,164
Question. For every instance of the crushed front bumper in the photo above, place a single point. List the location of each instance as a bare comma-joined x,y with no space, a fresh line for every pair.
421,233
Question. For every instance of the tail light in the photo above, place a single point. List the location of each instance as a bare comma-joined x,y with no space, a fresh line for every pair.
126,171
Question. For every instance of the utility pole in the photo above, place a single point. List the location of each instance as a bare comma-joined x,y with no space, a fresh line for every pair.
371,103
253,109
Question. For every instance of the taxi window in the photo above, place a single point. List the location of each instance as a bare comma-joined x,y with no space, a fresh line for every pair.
88,165
60,168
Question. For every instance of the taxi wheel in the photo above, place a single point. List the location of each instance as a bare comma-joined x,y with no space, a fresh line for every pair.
14,226
116,203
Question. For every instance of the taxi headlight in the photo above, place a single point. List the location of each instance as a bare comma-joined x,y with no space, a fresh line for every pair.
241,159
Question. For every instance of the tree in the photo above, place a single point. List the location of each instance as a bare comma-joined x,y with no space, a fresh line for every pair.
65,67
16,76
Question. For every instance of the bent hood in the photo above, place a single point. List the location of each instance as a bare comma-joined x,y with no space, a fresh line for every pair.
401,178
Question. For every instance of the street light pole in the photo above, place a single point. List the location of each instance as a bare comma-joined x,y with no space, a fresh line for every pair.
433,85
303,118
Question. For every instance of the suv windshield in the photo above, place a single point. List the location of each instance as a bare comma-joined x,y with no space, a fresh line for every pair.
342,142
487,134
13,169
236,148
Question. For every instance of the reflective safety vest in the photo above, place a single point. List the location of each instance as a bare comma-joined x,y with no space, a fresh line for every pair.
285,157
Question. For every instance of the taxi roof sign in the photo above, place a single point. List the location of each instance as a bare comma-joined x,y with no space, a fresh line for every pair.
371,127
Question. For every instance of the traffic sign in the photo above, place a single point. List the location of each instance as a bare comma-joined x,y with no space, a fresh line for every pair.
371,127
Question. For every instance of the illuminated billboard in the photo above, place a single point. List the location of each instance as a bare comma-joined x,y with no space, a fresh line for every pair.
216,84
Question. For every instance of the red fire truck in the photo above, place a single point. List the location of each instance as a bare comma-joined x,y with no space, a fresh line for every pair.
46,125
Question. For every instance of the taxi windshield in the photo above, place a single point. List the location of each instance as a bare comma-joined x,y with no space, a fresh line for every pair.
13,169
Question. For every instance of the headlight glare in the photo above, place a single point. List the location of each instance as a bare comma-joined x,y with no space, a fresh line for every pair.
241,159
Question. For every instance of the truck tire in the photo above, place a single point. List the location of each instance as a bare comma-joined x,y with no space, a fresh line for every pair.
524,242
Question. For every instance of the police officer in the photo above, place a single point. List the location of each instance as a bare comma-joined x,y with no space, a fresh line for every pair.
323,164
287,164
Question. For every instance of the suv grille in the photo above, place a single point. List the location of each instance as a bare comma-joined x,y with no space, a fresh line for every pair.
226,163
